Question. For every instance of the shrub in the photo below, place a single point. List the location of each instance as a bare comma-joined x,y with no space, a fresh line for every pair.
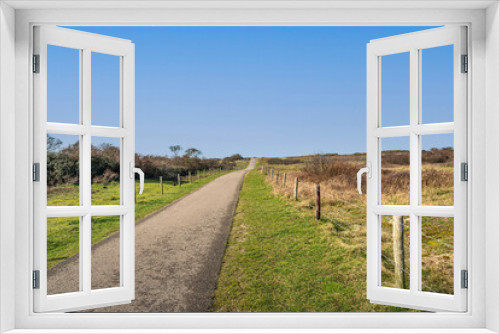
319,169
283,161
63,164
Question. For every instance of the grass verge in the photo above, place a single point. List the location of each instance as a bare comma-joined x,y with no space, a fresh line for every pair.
63,232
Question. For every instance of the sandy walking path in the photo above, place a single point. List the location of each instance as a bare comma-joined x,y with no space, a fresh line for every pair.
178,252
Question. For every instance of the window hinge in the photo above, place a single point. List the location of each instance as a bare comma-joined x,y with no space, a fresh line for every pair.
464,171
36,279
465,279
36,172
36,63
465,64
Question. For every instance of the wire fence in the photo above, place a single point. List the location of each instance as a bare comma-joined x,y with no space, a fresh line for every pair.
346,211
193,176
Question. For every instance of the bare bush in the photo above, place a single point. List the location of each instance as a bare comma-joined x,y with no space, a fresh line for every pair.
319,169
63,164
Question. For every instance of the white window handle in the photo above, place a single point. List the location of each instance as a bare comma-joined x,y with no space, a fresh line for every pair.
139,171
368,171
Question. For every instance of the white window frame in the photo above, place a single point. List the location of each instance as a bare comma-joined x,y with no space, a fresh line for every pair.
484,213
414,44
86,44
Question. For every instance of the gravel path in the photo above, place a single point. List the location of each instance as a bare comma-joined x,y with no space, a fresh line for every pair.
179,252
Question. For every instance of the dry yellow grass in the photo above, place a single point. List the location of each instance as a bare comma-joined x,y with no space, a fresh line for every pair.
346,208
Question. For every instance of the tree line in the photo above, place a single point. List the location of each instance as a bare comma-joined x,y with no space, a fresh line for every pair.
63,163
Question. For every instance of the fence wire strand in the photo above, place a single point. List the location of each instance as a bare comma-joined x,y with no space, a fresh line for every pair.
349,221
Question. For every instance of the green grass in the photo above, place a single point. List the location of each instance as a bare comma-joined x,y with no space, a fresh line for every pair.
280,259
63,232
341,203
241,164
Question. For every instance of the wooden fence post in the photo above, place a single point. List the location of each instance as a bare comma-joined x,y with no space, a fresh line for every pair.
318,201
296,192
399,250
272,172
277,176
284,178
179,179
190,177
161,184
198,175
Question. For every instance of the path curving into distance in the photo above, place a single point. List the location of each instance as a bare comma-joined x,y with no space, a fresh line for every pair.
178,252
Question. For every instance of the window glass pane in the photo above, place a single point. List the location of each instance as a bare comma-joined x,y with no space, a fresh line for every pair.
395,174
63,260
105,252
395,90
63,85
105,171
437,170
437,254
63,170
437,84
395,247
105,90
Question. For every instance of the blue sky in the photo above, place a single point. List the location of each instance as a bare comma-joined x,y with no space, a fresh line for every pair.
257,91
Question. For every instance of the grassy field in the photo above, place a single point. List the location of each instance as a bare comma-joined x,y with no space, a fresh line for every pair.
346,209
63,233
280,259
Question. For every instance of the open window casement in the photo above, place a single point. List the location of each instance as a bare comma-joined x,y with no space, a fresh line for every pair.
414,216
77,288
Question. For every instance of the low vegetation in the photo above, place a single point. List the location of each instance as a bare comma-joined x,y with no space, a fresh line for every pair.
346,209
279,258
63,233
63,163
63,188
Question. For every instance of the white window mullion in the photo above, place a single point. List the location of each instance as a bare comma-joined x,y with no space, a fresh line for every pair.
433,129
405,210
85,256
103,131
81,174
123,176
415,168
127,236
373,183
67,129
79,130
86,176
394,131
